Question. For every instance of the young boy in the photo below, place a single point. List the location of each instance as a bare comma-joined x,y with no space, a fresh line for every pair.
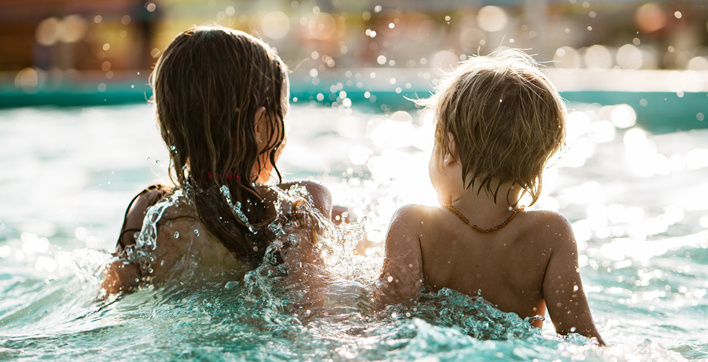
499,120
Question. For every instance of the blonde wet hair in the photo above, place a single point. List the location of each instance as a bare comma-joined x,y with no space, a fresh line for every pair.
506,119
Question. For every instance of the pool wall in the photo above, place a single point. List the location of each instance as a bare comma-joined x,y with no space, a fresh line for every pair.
658,109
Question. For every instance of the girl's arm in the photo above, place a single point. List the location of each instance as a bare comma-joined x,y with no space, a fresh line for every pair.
562,287
120,276
321,199
320,196
402,274
307,278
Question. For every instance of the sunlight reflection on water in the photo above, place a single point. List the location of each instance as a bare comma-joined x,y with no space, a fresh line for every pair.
636,201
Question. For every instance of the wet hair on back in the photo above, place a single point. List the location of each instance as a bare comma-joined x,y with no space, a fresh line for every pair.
208,85
506,118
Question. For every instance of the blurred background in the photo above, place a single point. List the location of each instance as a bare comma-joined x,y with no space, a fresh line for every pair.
634,189
651,55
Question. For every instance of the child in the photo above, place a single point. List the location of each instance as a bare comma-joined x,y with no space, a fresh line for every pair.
499,121
221,98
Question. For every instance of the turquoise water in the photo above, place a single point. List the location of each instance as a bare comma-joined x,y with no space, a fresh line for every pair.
638,203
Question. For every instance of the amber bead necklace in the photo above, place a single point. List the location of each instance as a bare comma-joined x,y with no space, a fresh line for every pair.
479,229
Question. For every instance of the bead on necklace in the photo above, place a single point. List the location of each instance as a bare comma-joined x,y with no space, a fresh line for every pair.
479,229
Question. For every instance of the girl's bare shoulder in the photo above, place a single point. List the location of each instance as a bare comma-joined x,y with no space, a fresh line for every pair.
184,242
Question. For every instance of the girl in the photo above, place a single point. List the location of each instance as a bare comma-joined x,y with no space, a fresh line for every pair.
221,97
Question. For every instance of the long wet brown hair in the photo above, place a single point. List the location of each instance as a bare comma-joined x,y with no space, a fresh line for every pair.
208,85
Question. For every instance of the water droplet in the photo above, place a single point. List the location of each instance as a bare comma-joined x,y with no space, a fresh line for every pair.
176,234
390,279
196,232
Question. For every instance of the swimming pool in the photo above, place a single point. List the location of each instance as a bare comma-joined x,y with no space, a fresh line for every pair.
638,203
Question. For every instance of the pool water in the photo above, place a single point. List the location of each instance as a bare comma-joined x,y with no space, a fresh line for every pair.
638,203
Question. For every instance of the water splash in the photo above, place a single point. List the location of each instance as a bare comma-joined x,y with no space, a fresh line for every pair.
236,208
142,252
474,316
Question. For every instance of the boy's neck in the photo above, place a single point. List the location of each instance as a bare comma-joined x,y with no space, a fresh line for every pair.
481,204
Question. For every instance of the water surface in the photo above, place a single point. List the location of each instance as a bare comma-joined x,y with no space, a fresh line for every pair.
638,203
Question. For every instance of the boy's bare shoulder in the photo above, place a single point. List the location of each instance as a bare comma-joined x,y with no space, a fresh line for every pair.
549,226
415,214
420,220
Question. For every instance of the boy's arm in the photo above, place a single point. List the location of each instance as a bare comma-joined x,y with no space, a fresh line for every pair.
402,274
563,288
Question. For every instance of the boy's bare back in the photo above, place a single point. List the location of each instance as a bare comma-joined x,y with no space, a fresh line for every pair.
520,268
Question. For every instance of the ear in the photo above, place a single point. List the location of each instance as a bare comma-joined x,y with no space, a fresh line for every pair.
451,154
260,124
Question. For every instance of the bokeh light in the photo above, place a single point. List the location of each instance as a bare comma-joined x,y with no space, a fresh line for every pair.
650,17
492,18
47,32
598,57
322,26
275,24
567,58
445,60
629,57
72,29
623,116
27,79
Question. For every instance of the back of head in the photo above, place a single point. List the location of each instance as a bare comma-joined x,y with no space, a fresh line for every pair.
506,119
208,85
